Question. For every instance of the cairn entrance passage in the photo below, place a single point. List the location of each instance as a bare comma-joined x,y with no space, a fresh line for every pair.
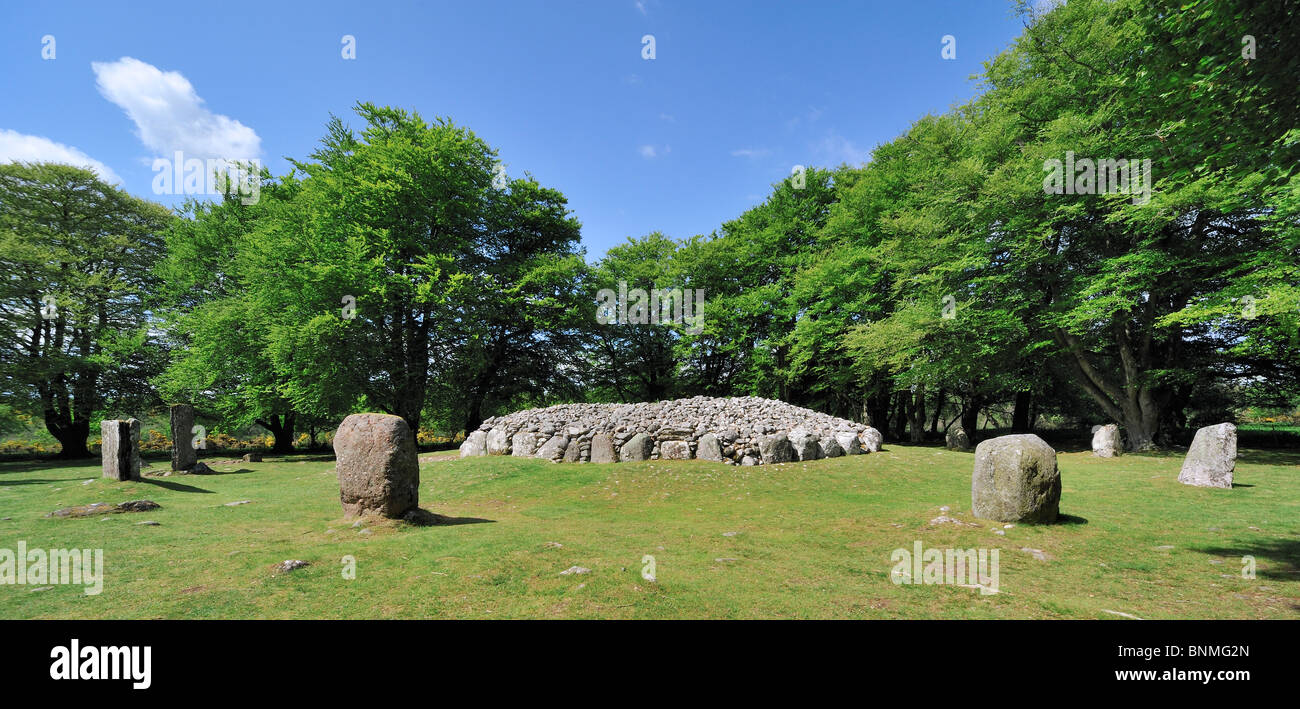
736,431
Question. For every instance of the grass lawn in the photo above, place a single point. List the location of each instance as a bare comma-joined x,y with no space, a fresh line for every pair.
801,540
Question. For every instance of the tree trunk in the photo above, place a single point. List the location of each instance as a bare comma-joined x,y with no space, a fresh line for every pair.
281,427
970,416
938,410
72,439
1020,415
917,415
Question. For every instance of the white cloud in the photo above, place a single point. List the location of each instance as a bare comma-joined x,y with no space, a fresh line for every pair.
648,152
640,6
750,152
835,149
169,115
15,146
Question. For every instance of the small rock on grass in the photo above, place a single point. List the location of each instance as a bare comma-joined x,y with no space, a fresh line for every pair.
147,523
288,565
575,570
237,503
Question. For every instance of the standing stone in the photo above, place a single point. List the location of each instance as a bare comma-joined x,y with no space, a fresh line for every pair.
871,440
1211,458
955,439
573,453
1106,441
675,450
475,444
553,449
120,448
775,449
806,446
523,445
708,448
183,454
1015,480
848,441
602,449
498,442
638,448
377,465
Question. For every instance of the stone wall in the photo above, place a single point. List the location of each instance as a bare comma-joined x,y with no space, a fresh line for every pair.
739,430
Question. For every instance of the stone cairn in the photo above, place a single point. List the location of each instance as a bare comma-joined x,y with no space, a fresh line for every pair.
184,457
739,430
120,448
377,466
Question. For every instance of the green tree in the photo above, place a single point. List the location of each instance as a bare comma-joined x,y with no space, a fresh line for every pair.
77,257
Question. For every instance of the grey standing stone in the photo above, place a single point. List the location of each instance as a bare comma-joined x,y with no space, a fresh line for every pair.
955,439
806,446
775,448
573,453
871,440
553,449
523,445
1211,458
498,442
638,448
831,448
1016,480
182,421
120,448
602,449
378,470
1106,441
708,448
675,450
849,442
475,444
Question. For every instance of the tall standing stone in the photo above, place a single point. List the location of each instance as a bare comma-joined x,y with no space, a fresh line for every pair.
1106,441
120,448
1015,480
379,472
1212,457
183,454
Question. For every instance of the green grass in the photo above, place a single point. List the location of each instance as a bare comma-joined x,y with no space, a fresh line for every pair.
812,540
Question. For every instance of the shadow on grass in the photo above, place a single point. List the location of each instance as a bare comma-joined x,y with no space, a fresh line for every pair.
1070,519
421,517
1283,553
174,486
33,481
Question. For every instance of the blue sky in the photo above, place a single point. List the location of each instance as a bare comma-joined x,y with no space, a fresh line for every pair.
736,95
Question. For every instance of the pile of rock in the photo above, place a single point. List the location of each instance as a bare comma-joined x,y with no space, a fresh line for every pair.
739,430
